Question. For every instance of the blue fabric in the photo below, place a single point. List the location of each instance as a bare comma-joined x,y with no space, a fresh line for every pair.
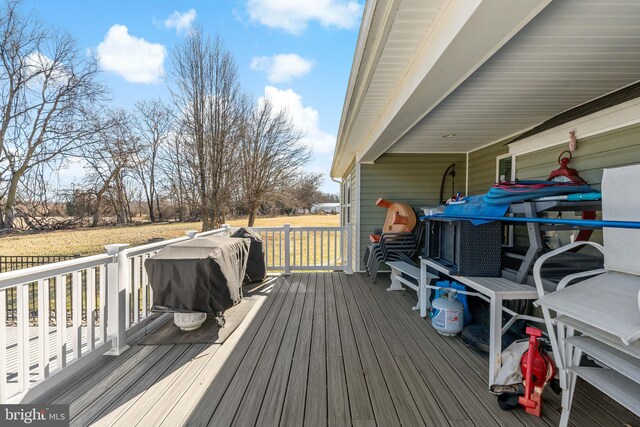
477,206
519,193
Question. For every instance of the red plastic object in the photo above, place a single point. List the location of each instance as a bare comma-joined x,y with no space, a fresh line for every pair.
538,369
564,173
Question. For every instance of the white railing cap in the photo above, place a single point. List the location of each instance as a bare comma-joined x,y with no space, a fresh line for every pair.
115,248
32,274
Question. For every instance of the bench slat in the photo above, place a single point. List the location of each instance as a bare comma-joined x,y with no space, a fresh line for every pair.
490,286
405,268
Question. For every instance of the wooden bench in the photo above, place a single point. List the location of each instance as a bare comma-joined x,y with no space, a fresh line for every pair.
494,290
398,268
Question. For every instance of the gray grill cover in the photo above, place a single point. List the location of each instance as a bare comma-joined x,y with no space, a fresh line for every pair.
203,274
256,268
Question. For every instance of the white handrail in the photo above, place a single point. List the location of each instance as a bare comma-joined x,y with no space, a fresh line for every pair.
13,278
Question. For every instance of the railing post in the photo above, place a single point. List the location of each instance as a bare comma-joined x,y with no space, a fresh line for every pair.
227,230
191,233
349,267
117,310
287,249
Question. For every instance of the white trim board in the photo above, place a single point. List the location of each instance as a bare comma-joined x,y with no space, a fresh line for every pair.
357,214
616,117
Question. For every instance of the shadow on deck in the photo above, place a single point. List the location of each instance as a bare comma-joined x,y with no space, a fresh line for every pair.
320,349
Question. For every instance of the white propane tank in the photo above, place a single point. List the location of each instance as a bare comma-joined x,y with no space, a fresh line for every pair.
447,314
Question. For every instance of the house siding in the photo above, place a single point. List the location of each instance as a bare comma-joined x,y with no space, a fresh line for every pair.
410,178
482,167
616,148
611,149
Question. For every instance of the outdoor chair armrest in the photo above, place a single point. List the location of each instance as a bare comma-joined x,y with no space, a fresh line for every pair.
537,267
395,242
399,249
386,245
396,235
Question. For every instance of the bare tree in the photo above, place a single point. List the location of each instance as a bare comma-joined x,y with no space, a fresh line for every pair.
304,191
207,95
109,155
47,90
178,168
271,156
153,124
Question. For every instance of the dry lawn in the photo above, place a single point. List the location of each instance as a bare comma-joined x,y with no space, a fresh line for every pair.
88,241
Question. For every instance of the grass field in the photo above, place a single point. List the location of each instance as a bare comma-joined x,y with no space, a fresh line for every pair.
88,241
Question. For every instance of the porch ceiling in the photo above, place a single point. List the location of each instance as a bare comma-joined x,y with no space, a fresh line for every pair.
410,55
572,52
481,70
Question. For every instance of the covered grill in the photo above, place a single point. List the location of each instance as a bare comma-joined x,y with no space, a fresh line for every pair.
200,275
256,266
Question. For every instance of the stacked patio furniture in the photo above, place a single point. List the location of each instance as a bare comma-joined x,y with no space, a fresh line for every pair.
600,316
393,247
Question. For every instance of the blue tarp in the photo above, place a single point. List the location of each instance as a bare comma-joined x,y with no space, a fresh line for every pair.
477,206
527,190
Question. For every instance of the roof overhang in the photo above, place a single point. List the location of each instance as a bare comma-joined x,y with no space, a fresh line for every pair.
458,38
485,71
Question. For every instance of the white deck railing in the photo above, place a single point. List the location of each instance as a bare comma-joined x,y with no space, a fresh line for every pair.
306,248
87,306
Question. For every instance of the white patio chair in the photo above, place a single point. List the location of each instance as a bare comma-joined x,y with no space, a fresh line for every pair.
600,316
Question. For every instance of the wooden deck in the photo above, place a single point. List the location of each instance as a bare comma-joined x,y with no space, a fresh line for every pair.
320,349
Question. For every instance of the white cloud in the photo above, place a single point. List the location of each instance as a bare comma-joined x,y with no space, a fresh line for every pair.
39,63
283,67
181,21
135,59
293,16
304,118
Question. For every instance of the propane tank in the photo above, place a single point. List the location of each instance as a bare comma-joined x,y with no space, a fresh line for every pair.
447,314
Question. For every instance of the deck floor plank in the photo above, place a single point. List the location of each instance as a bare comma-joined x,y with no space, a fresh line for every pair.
269,338
581,413
174,402
86,393
97,399
237,360
296,392
318,349
383,407
315,413
177,357
338,399
360,405
425,398
220,364
82,381
402,397
164,392
479,364
469,400
273,370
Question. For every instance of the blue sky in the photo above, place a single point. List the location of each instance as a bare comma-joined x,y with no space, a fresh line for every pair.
299,52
